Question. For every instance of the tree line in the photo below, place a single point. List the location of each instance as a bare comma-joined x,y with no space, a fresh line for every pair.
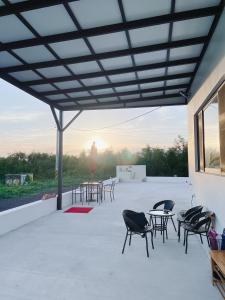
159,162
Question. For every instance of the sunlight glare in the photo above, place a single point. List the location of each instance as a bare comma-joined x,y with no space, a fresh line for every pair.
99,143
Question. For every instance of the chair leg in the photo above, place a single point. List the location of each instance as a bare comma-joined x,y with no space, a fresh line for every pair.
130,239
155,229
178,230
186,242
110,195
125,242
152,240
173,224
201,238
151,221
146,240
164,227
184,237
101,196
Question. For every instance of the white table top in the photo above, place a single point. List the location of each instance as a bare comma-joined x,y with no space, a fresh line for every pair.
161,213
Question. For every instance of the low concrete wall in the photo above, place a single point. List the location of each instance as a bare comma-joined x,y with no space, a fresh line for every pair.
168,179
14,218
67,199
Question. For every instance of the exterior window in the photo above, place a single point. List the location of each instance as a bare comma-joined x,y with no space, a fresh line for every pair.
201,163
211,135
210,122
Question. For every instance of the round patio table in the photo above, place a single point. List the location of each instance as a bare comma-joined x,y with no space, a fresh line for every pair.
162,216
93,188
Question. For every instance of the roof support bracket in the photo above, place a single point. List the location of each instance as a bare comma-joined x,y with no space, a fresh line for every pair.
56,118
57,121
72,120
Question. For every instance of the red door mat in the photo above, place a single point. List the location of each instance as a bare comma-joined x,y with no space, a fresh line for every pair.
79,210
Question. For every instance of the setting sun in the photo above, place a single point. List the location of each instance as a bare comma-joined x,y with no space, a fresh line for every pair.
99,143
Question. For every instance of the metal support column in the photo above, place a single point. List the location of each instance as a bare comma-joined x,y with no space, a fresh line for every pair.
60,161
57,153
59,150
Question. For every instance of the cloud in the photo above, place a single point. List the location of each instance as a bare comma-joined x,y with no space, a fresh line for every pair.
19,116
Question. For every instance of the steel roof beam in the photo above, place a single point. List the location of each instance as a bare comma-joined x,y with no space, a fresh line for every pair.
119,84
104,107
28,5
124,102
105,55
128,25
209,36
27,89
153,66
129,93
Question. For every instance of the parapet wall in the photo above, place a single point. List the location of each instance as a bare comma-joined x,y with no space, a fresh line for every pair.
14,218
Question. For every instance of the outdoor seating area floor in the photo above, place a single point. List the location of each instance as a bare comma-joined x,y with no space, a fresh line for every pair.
78,256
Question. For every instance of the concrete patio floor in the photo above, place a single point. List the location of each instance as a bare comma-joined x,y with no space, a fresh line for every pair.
78,256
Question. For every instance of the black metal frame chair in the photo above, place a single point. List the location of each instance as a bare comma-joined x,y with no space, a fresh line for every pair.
109,188
78,190
168,205
136,224
185,216
199,224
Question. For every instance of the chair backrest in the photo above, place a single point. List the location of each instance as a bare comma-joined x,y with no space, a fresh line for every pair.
193,209
77,187
206,221
134,221
113,185
192,212
110,185
200,216
167,204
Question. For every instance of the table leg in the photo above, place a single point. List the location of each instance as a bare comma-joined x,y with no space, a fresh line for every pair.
178,233
86,194
163,221
161,226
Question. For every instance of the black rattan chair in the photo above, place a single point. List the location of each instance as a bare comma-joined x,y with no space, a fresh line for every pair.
184,216
199,224
136,223
166,205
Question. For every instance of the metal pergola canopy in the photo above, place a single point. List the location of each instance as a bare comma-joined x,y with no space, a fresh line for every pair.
105,54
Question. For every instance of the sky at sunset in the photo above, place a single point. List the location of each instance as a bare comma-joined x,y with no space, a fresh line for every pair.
26,124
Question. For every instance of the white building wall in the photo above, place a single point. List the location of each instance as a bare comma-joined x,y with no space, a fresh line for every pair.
126,173
209,189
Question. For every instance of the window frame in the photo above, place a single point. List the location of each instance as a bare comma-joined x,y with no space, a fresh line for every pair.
219,92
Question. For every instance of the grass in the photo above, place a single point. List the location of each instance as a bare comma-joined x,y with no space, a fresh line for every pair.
38,187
